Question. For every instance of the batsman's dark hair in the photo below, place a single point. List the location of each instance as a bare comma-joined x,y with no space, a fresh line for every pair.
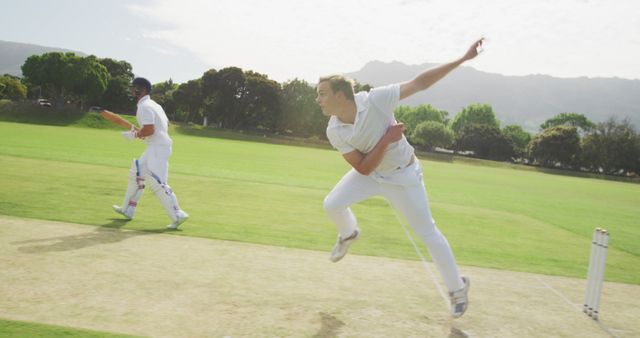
141,82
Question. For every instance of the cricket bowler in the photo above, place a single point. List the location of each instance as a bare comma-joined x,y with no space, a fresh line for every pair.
362,127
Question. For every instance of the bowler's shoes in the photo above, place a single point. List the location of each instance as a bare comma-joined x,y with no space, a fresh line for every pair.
460,299
181,218
342,246
121,211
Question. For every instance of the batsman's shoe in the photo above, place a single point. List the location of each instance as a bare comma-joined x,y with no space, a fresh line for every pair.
460,299
182,217
121,211
342,246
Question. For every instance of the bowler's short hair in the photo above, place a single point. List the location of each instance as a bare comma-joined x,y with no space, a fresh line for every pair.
339,83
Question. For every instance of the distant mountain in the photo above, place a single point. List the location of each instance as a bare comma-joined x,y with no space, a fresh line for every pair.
523,100
13,55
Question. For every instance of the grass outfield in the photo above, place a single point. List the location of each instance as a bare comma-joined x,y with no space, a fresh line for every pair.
18,329
495,217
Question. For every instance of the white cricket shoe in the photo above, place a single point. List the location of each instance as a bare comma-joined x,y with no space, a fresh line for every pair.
121,211
459,299
182,217
342,246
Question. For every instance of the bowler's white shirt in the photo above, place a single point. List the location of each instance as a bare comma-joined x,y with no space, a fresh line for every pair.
149,112
374,115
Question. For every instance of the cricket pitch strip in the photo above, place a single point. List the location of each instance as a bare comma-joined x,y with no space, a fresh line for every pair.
158,285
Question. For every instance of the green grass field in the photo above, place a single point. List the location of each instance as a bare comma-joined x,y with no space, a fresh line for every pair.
17,329
493,216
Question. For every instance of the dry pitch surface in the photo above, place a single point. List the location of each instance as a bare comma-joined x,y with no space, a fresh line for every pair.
153,284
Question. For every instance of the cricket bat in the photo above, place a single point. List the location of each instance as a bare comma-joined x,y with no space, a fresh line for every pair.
117,119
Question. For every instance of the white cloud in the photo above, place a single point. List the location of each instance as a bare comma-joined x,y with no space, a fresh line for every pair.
288,38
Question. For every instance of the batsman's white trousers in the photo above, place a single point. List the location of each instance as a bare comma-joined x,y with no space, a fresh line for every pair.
404,190
156,160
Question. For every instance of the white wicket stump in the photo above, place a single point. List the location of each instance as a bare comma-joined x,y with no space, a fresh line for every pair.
595,276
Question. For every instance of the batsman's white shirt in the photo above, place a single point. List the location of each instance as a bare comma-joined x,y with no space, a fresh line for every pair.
373,117
149,112
156,157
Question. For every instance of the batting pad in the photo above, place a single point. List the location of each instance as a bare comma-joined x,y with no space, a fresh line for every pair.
163,192
135,189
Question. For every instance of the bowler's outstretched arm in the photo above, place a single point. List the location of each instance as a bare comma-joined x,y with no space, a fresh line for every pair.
427,78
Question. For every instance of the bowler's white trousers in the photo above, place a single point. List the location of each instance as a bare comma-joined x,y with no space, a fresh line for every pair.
404,190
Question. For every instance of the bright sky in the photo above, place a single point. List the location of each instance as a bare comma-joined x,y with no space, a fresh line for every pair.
286,39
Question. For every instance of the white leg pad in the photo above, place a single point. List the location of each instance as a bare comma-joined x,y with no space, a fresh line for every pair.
167,198
135,189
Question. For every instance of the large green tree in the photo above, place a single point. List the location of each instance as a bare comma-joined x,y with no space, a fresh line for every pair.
236,99
485,141
432,134
229,95
117,96
188,100
400,111
262,103
212,109
66,76
557,146
163,94
519,139
88,79
413,116
569,119
49,72
12,88
474,114
301,115
612,148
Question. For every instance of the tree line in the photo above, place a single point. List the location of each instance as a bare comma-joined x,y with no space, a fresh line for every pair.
236,99
566,141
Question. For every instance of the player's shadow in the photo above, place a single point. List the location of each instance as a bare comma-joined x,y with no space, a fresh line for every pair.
103,234
457,333
329,326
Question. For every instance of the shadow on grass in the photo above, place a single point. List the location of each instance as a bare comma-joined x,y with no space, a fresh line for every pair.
103,234
457,333
329,326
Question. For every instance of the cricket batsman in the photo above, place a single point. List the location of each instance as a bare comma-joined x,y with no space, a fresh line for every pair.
152,168
363,129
